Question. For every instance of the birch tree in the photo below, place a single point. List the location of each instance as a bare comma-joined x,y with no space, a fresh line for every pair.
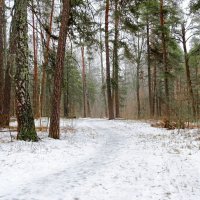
26,126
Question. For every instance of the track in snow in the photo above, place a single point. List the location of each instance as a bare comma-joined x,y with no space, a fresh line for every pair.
111,160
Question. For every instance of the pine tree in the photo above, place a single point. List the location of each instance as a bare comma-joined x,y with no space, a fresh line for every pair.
54,131
35,63
43,100
188,74
108,79
9,71
1,61
165,60
116,58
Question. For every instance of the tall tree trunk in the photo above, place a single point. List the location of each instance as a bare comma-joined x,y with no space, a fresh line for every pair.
54,131
65,106
138,65
102,72
138,90
7,90
188,76
84,82
166,70
87,91
197,91
155,91
108,79
8,73
149,69
66,94
46,61
116,61
88,105
1,60
35,82
26,126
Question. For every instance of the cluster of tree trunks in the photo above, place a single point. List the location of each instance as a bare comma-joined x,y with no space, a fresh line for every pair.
17,57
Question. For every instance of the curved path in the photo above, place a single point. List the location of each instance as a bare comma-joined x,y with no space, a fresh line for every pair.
103,160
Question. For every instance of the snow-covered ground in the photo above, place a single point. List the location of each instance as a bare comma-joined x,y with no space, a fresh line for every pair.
97,159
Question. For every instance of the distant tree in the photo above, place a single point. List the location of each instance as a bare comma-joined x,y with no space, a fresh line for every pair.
165,58
72,86
194,5
187,66
103,90
48,18
35,63
84,81
108,79
116,58
10,65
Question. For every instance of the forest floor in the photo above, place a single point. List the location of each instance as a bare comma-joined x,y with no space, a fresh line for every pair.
97,159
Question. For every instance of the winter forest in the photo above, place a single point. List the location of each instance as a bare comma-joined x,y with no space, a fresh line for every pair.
100,100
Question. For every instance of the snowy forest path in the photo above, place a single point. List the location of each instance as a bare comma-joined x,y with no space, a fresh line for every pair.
111,160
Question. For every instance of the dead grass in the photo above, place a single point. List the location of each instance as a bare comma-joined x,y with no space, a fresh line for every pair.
68,129
174,124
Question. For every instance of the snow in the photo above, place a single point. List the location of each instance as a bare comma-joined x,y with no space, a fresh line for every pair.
97,159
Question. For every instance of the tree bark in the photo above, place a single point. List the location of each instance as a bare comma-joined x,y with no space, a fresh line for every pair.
138,90
54,131
46,61
65,104
84,81
8,73
155,92
26,126
66,94
89,114
138,66
149,69
1,60
188,76
108,79
35,82
116,61
102,72
166,70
